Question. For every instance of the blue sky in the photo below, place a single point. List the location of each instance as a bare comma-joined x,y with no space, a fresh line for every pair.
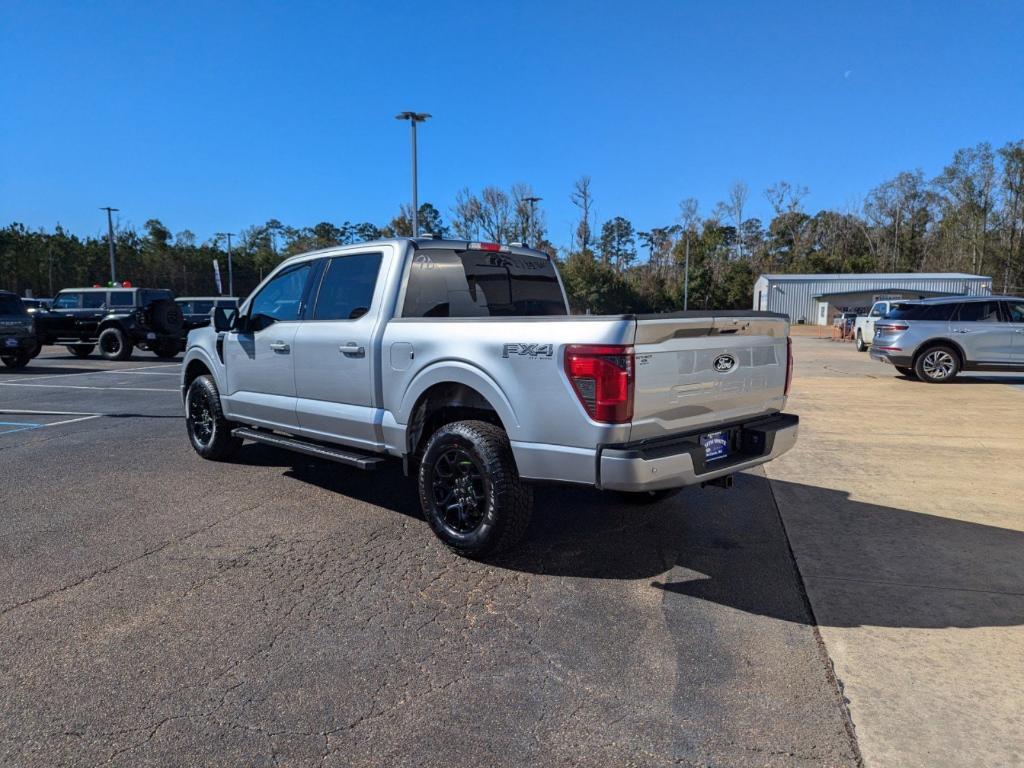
215,116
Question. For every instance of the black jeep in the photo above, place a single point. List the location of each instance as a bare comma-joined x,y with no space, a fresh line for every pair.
116,319
18,342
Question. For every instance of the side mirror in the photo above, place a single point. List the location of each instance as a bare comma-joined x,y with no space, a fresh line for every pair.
225,319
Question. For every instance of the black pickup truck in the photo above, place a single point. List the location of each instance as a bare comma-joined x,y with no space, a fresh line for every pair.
118,320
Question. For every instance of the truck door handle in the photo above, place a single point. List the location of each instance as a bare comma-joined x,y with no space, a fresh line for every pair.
352,349
280,346
961,330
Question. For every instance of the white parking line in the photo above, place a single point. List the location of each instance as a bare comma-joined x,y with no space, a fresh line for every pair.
146,373
80,386
140,369
81,416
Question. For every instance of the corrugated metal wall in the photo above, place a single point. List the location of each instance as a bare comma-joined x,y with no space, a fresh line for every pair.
796,297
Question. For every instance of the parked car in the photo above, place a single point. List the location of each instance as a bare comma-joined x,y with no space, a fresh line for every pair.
197,309
118,320
461,359
844,322
18,344
864,325
935,339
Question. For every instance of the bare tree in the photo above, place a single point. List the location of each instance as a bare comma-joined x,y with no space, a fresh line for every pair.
583,199
496,214
738,193
967,186
1012,184
466,215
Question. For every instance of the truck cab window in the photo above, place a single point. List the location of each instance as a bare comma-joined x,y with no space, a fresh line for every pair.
346,290
281,298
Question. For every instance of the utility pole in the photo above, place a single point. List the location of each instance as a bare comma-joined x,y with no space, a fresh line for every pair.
686,275
231,273
530,233
110,241
413,118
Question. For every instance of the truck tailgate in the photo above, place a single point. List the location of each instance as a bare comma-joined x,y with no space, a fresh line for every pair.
702,370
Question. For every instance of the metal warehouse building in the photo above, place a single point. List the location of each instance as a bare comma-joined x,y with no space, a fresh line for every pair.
817,299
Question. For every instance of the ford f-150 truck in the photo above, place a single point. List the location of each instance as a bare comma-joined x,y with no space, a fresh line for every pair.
461,359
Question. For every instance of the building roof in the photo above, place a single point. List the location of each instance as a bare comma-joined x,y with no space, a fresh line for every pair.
880,276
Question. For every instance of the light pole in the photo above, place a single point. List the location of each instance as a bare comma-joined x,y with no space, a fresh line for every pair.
231,272
413,118
533,217
686,275
110,241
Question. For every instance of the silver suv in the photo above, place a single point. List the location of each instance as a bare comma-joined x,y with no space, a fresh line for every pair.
935,339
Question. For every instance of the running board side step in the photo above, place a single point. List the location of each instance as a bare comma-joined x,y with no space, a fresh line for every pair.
347,456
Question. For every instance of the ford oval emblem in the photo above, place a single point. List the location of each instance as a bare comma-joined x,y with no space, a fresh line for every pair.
724,363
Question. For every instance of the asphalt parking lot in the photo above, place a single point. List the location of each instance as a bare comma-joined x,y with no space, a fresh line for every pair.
163,610
277,610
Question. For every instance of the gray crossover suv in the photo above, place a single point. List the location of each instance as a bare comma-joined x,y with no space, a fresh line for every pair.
935,339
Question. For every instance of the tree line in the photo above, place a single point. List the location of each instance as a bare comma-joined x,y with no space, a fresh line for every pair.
969,218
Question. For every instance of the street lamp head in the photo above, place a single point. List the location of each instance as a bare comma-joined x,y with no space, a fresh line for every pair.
416,117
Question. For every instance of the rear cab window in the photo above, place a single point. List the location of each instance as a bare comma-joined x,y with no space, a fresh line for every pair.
475,283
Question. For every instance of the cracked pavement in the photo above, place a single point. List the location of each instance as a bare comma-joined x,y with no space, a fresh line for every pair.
281,611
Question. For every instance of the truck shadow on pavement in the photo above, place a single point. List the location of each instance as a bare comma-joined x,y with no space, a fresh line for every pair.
862,564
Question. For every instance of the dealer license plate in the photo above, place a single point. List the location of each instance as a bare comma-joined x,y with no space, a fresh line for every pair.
716,445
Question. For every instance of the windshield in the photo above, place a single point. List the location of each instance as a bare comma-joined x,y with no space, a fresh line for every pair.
470,283
12,305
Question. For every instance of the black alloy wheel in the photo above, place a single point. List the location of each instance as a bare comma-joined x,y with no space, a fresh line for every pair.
460,495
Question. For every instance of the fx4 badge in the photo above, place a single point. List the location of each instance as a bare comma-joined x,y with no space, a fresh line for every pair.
527,350
724,363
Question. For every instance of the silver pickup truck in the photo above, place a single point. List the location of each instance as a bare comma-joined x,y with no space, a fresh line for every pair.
461,360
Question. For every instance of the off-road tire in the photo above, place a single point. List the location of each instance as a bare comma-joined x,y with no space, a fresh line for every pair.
165,350
202,412
115,344
902,370
861,346
646,498
81,351
932,362
17,361
507,502
166,316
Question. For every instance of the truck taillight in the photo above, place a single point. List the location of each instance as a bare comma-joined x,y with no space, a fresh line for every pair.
789,365
601,375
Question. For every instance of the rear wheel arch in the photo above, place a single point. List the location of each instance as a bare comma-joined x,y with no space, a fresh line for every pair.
444,403
111,322
932,343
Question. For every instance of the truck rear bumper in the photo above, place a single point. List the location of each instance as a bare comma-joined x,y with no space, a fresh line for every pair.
680,460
